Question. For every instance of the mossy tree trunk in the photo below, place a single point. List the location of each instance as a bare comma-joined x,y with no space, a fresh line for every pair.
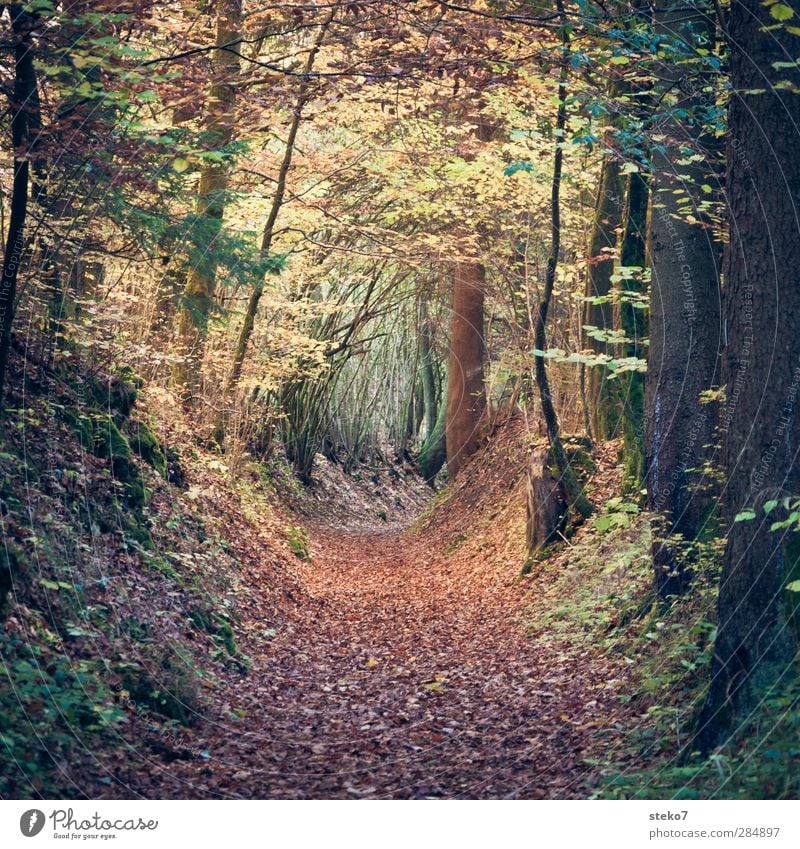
198,295
631,319
601,394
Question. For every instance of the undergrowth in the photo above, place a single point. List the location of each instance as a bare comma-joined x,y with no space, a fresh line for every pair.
600,593
117,589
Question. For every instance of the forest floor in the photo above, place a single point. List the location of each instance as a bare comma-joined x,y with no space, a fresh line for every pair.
405,670
195,626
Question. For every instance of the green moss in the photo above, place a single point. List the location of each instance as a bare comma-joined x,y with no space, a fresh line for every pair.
110,442
299,542
82,426
580,460
132,524
226,637
455,544
633,433
168,687
218,626
145,444
118,393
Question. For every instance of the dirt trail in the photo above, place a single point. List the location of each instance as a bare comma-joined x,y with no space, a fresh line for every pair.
405,673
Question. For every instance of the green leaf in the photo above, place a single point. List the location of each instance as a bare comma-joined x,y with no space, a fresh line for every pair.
793,587
781,12
603,523
180,164
745,515
55,585
770,505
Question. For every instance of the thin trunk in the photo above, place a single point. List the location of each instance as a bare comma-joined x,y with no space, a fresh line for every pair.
198,295
685,332
277,201
570,487
433,453
25,122
757,621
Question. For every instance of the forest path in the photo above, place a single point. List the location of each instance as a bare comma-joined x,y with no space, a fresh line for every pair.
406,673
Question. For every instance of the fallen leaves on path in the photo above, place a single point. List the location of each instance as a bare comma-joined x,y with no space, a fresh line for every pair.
400,669
403,672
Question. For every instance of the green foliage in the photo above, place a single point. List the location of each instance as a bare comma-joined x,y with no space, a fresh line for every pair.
216,624
299,542
618,513
50,704
166,684
606,587
759,760
145,444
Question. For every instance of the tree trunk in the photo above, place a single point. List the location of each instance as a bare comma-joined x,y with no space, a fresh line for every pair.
684,325
427,376
546,510
632,321
600,392
754,646
198,295
570,487
466,394
433,453
277,202
25,123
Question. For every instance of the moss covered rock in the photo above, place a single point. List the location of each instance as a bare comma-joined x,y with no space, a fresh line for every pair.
146,445
110,442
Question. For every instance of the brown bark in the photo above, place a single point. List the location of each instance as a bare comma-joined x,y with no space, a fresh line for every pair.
757,622
546,510
466,395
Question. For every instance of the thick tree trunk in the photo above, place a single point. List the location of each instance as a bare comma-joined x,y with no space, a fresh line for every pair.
601,393
466,394
754,648
685,331
631,319
546,510
25,123
198,295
